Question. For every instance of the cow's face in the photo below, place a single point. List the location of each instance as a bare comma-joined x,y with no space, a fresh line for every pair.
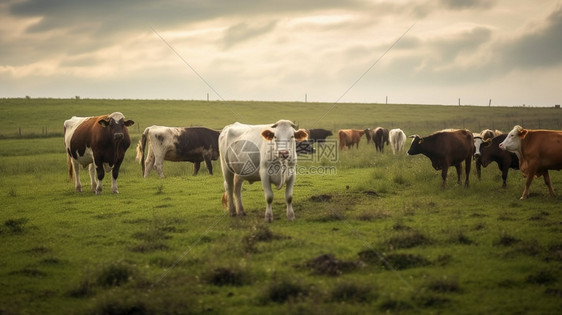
415,148
512,142
477,142
485,151
283,137
116,125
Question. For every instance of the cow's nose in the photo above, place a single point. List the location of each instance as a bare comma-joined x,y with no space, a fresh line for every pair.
283,154
476,155
118,136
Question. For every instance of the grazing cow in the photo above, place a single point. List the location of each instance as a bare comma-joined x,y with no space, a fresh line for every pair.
397,139
489,151
380,137
445,149
349,137
538,151
99,142
265,153
193,144
479,138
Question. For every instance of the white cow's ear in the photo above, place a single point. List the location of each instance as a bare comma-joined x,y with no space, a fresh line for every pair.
301,135
268,134
523,133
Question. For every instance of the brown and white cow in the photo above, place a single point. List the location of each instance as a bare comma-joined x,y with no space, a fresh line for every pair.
265,153
445,149
489,151
538,151
191,144
99,142
349,137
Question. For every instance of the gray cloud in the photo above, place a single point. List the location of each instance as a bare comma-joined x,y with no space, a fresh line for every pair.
466,4
540,48
243,31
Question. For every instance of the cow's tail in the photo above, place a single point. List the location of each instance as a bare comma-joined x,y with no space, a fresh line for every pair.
140,149
341,139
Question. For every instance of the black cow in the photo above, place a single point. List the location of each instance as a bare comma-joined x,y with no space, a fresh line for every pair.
491,152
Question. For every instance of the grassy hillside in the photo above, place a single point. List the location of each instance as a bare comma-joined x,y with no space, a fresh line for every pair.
32,117
374,233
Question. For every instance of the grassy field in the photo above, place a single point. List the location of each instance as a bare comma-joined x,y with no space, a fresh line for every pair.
377,234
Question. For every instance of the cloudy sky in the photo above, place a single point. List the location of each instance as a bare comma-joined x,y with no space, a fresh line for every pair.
422,52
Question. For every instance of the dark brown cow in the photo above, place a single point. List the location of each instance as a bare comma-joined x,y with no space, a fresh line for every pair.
538,151
445,149
99,142
349,137
178,144
380,137
490,152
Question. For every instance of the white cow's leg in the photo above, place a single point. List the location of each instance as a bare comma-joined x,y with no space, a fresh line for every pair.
76,171
149,162
159,164
289,198
229,189
93,178
238,181
268,192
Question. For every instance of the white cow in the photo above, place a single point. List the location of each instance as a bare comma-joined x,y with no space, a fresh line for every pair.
397,139
265,153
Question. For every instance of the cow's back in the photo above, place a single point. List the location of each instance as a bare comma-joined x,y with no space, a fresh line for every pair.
195,142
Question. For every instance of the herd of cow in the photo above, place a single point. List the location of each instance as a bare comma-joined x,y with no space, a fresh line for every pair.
268,153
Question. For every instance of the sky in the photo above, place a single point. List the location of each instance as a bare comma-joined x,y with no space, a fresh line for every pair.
507,52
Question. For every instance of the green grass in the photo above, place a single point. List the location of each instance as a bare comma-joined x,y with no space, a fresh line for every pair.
167,246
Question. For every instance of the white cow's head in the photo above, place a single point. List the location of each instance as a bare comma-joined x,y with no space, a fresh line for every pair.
477,142
512,142
282,135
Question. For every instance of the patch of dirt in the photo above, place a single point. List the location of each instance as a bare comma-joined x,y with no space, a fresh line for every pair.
321,198
328,264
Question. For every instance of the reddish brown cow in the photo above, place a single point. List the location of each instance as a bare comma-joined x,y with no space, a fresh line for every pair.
538,151
445,149
349,137
99,142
